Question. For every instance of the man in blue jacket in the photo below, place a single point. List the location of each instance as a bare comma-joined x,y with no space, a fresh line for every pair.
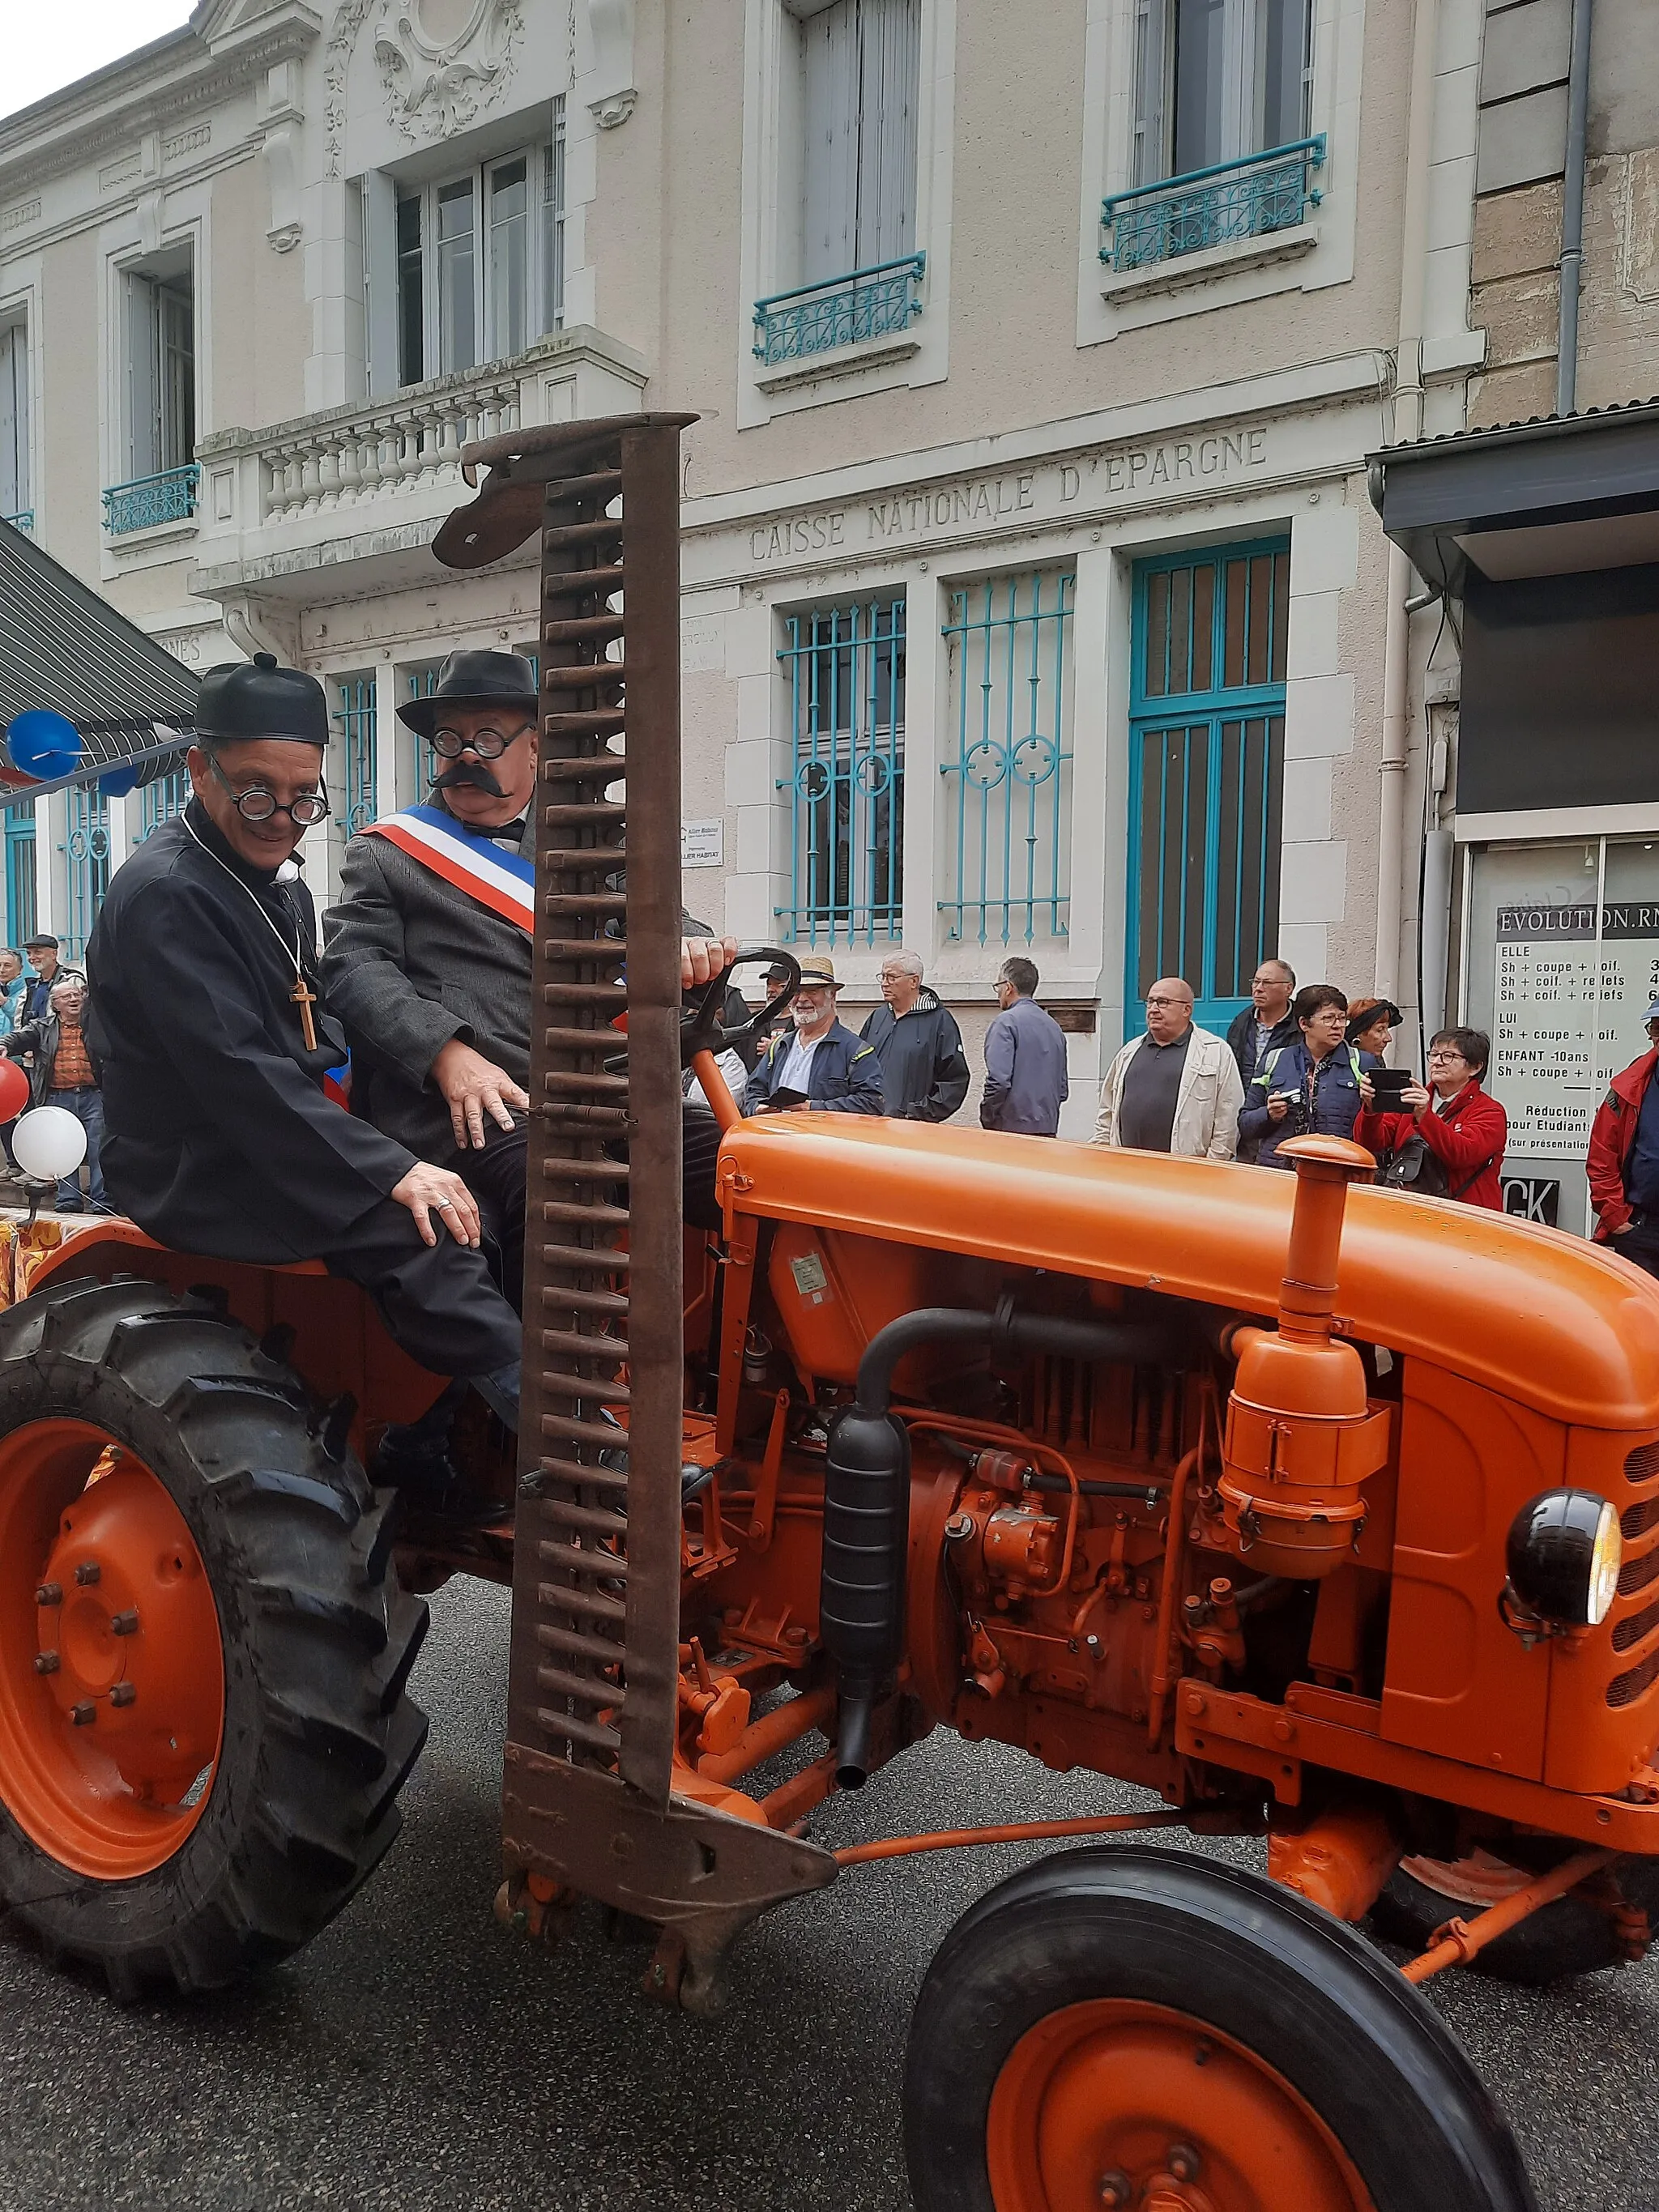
1025,1081
818,1065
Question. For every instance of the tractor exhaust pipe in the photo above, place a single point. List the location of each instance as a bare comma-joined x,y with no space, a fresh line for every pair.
867,1494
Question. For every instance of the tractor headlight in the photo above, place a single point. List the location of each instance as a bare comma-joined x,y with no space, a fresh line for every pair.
1564,1555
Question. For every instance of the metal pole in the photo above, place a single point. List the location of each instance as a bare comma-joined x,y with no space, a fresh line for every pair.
1572,209
1407,427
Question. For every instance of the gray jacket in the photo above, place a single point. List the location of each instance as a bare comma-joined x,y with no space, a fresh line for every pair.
409,962
1025,1081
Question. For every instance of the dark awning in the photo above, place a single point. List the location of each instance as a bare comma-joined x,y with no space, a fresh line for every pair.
1564,495
63,647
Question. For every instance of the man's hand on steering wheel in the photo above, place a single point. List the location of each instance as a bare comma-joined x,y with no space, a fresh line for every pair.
473,1087
703,959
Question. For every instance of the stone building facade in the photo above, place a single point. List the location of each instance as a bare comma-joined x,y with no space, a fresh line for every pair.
1033,600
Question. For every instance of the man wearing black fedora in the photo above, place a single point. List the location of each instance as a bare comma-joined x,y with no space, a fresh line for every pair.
428,954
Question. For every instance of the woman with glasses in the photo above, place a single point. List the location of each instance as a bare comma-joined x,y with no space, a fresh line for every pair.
1464,1132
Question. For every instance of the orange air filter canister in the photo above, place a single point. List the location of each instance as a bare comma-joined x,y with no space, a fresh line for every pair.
1300,1438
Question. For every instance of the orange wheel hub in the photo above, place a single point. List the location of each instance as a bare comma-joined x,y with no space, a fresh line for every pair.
111,1670
1116,2104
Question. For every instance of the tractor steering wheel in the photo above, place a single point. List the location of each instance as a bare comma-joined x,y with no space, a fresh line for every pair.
701,1030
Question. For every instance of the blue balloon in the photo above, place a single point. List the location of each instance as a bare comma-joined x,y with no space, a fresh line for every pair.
117,782
44,743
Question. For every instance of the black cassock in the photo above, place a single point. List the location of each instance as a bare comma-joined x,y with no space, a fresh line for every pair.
219,1138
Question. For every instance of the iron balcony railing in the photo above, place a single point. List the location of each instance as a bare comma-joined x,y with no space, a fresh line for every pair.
23,519
1247,198
870,303
148,501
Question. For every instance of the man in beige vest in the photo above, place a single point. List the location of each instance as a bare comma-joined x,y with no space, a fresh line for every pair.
1175,1090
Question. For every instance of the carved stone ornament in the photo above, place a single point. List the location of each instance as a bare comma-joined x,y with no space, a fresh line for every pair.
443,62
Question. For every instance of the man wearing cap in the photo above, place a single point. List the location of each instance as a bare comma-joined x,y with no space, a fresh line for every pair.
817,1065
1624,1158
213,1037
48,970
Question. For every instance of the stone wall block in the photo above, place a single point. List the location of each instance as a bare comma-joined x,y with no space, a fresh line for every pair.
1517,234
1520,316
1525,47
1522,140
1512,395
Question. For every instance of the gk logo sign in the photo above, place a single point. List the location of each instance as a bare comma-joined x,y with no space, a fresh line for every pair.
1532,1198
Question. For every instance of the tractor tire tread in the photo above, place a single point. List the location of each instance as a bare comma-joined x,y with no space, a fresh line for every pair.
320,1638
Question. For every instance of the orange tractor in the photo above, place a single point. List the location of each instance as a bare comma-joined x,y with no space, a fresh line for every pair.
1316,1512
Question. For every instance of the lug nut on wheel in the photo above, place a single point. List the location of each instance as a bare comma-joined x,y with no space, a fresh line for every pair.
125,1624
84,1714
46,1662
1183,2162
1115,2188
87,1572
49,1594
123,1693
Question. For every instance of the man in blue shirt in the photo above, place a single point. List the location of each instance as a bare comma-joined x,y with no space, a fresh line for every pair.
1025,1079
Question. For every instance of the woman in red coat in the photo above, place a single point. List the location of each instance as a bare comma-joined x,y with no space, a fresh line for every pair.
1465,1130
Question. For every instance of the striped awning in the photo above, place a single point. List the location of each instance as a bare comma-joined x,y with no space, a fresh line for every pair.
63,647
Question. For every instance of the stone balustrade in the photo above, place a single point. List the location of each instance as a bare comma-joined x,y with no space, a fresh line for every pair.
372,482
333,461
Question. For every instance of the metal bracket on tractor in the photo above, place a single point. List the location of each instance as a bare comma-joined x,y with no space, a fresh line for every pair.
595,1661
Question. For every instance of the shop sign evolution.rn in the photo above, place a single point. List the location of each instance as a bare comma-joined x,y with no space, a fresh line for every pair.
981,502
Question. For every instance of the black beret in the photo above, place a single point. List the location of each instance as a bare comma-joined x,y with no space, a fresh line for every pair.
257,699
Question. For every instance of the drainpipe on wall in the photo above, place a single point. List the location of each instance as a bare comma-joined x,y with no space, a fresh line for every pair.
1407,428
1572,209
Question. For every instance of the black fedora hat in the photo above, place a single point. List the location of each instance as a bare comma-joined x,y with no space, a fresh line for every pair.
473,679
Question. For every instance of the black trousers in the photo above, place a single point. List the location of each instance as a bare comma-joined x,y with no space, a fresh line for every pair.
437,1301
496,1177
1640,1245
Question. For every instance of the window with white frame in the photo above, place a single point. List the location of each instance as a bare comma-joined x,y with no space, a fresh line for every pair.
1218,80
857,274
16,502
481,260
160,366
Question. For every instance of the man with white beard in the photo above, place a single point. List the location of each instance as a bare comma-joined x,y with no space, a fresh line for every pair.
818,1065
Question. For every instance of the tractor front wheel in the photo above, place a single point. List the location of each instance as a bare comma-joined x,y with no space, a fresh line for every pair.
1136,2027
203,1646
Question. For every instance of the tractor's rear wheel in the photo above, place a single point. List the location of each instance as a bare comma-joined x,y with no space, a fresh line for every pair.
1133,2027
203,1646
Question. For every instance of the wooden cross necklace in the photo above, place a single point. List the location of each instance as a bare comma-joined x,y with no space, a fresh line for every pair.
301,995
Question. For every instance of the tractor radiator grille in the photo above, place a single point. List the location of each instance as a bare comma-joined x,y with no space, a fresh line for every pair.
1635,1620
596,1591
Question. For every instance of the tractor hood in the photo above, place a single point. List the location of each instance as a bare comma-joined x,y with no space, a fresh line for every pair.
1544,1319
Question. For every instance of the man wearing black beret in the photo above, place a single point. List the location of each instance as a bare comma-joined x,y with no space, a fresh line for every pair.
214,1034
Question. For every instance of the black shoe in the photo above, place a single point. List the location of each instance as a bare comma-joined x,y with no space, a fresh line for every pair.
67,1206
499,1392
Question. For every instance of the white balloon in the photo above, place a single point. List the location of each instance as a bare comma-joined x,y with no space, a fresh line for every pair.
48,1142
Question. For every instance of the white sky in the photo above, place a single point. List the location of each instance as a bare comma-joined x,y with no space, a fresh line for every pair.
49,43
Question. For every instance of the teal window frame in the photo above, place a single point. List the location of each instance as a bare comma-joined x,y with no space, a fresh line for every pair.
1009,787
86,858
22,898
358,719
845,667
1224,784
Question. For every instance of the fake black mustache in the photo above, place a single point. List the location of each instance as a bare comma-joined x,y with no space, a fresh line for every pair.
464,772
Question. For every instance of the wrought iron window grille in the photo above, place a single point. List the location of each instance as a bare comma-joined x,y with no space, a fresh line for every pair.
1009,787
845,667
870,303
87,849
358,722
1250,198
160,801
148,501
23,519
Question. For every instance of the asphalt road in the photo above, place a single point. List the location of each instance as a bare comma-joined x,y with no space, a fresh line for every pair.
417,2056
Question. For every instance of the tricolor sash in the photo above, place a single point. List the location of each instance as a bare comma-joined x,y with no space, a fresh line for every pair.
496,877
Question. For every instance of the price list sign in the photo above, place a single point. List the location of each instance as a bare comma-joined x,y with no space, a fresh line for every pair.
1556,1040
